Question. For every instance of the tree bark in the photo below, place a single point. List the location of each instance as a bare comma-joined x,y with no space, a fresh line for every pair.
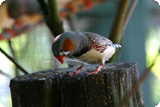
57,89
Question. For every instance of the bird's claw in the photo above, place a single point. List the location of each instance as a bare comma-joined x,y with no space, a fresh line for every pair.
94,72
97,70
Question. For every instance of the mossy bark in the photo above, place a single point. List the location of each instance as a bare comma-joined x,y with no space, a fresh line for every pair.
57,89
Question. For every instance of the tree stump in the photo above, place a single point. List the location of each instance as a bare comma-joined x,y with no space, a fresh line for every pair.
57,89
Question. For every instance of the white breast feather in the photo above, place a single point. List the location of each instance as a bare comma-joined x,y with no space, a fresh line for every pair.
95,56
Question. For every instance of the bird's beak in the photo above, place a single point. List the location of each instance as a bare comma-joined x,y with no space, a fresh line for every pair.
61,58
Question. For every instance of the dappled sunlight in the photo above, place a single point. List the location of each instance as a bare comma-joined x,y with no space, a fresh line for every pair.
155,89
22,39
152,53
5,96
156,68
152,50
32,52
5,64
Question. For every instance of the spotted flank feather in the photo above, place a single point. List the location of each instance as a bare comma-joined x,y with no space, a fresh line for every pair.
116,45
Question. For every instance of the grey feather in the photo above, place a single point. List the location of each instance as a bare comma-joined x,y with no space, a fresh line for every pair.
82,41
98,39
115,45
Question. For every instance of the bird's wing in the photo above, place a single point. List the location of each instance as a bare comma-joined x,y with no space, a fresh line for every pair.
98,42
98,39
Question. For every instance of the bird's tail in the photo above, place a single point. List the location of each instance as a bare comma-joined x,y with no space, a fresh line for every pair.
116,45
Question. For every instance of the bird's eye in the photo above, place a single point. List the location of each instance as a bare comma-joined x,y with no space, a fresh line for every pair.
62,52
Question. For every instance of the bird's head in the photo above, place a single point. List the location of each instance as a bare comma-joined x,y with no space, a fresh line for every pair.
62,48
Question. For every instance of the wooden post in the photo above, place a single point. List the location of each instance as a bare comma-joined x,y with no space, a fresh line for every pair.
57,89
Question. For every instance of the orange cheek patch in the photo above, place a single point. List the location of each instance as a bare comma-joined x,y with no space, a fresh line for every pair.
68,45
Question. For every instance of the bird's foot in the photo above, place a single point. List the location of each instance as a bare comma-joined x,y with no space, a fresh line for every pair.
94,72
97,70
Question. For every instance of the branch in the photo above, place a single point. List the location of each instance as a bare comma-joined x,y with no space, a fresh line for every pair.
44,7
14,56
17,65
129,13
121,22
115,34
52,19
16,31
4,74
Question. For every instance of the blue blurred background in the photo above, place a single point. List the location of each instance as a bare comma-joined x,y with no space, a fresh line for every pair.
140,44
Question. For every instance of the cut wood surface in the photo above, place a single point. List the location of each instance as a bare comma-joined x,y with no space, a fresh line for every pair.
57,89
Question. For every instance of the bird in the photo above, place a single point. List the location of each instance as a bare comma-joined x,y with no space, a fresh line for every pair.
85,46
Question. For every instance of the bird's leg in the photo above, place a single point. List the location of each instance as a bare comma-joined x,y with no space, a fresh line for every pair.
79,67
77,70
97,70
